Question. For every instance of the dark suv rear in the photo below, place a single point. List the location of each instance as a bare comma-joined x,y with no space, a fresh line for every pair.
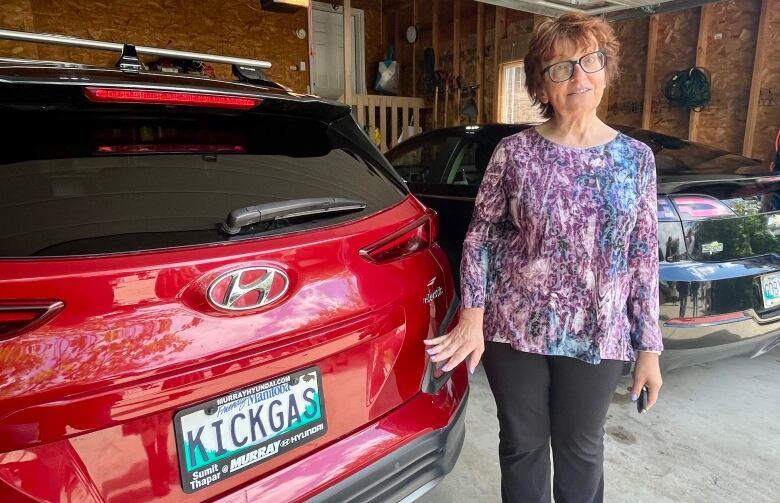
211,291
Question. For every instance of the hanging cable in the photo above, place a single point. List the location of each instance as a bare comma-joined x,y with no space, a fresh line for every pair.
689,88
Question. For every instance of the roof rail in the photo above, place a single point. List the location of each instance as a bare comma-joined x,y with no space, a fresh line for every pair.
44,38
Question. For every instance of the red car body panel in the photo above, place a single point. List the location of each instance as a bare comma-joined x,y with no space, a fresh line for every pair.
87,400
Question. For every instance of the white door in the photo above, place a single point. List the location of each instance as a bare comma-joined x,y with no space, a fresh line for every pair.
327,64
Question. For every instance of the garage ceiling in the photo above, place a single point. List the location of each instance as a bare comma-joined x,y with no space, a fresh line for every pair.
610,9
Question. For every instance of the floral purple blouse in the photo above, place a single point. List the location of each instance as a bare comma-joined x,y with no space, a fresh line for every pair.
562,248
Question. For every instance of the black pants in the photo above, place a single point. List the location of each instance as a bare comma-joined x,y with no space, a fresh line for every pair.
550,398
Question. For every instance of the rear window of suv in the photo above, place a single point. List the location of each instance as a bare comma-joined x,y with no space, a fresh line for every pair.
82,182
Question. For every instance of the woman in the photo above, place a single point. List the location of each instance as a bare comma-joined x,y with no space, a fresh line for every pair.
560,271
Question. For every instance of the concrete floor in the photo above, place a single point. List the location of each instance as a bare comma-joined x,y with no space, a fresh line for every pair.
713,437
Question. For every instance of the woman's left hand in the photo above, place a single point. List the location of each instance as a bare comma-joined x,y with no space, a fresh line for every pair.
647,372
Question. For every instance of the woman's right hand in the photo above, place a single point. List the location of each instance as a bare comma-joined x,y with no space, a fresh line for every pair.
464,341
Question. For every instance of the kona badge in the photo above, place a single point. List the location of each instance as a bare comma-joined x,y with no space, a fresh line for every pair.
248,288
433,295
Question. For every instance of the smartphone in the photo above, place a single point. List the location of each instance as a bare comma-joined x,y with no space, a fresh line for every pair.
641,402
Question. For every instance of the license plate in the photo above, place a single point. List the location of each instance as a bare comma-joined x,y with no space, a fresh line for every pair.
242,429
770,289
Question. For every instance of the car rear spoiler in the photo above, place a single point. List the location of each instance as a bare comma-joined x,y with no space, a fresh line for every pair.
128,61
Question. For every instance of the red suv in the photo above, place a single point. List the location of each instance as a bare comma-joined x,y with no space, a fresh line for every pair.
211,290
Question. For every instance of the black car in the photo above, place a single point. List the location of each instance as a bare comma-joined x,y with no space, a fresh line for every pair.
718,232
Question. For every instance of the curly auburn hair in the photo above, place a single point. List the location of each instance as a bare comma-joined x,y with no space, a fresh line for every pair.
570,31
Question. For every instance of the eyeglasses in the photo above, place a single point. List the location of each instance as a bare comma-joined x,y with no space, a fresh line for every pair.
564,70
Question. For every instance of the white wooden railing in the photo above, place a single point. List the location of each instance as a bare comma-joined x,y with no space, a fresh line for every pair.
397,118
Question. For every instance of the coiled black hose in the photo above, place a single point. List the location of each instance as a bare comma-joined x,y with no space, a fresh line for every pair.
689,88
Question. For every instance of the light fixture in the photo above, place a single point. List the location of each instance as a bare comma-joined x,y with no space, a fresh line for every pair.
284,5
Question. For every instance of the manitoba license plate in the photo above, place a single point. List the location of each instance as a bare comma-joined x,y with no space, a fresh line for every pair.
770,289
244,428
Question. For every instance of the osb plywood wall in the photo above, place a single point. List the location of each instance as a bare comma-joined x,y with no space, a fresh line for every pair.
729,58
625,97
240,28
731,44
676,50
17,15
768,113
398,14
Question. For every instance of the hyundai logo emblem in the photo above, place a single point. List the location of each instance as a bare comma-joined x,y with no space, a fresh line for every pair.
248,288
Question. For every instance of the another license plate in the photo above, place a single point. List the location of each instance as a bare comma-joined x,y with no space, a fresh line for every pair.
242,429
770,289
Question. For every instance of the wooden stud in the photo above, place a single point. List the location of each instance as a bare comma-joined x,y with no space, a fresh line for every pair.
499,95
498,35
456,54
436,107
414,51
371,115
480,57
394,124
397,41
349,78
435,30
384,132
405,119
652,42
436,47
755,84
361,109
701,58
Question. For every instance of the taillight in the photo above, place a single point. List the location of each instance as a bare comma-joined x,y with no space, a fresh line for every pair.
145,96
698,207
666,211
21,316
716,319
413,238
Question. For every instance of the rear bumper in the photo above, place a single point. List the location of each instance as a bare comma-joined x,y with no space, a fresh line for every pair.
408,473
692,345
402,455
714,310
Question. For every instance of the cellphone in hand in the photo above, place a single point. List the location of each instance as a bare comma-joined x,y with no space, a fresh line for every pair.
641,403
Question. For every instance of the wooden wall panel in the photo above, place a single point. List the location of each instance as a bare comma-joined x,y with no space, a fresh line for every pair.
403,49
676,50
626,96
243,30
768,106
729,58
17,15
375,50
489,83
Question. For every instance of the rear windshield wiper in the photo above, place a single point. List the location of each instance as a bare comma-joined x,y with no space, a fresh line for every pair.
293,208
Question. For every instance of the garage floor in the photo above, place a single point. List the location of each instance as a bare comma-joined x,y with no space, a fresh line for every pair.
713,437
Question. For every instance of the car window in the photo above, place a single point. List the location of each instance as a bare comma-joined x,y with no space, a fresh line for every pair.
423,160
470,163
80,184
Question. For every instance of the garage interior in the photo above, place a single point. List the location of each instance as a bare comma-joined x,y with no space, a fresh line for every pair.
736,41
715,435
